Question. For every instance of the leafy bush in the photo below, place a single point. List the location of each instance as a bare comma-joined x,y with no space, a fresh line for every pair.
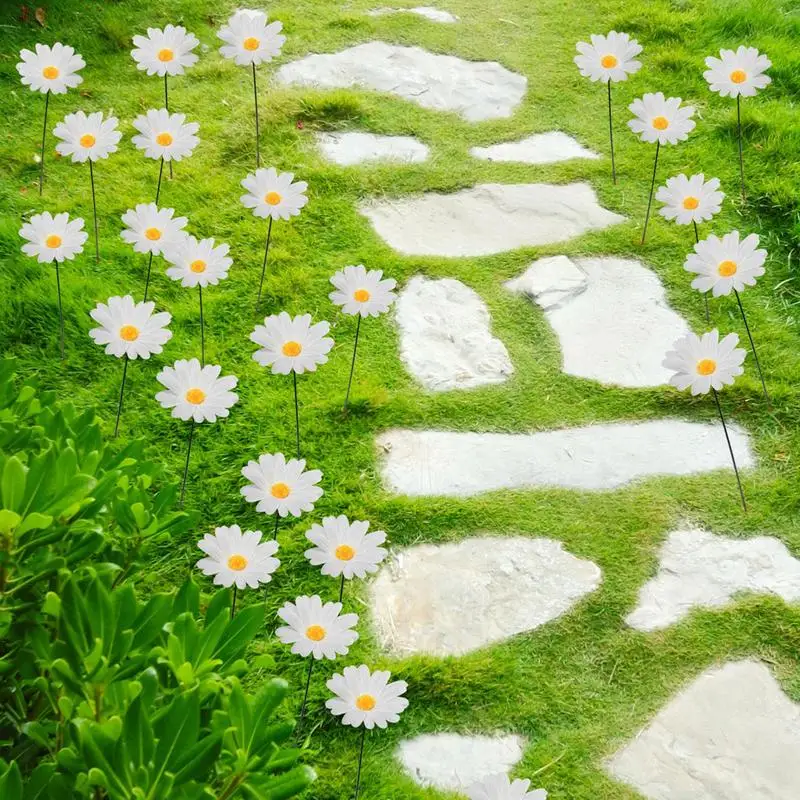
106,695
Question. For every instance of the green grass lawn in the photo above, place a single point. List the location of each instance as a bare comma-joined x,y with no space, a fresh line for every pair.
582,685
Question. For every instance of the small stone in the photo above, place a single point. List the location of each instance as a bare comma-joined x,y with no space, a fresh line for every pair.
354,147
541,148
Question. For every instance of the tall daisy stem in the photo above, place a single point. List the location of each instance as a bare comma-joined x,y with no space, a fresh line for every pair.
753,346
705,295
277,521
352,364
360,760
121,393
202,330
296,413
147,280
160,174
94,211
233,603
305,694
186,466
611,135
60,311
44,135
341,588
730,448
255,99
739,128
166,105
264,265
652,189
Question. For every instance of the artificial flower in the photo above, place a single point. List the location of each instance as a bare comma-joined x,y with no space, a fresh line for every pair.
151,229
660,119
197,263
249,39
608,58
281,486
238,558
688,200
704,362
87,136
501,787
291,343
317,628
130,329
165,52
195,392
50,69
53,238
273,195
345,548
165,135
366,698
738,73
362,292
725,264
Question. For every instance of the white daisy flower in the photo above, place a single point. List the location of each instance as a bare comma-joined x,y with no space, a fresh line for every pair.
725,264
238,558
130,329
688,200
197,263
50,69
165,135
501,787
278,485
366,698
151,229
87,136
703,363
660,119
165,52
345,548
608,58
737,73
195,392
53,238
273,195
362,292
314,628
291,344
249,39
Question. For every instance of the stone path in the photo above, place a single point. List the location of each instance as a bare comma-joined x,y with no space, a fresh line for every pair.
541,148
355,147
428,12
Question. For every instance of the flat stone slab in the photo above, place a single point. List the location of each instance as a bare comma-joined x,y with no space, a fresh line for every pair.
488,218
596,457
700,570
450,761
477,90
610,314
430,13
355,147
450,599
540,148
731,735
445,336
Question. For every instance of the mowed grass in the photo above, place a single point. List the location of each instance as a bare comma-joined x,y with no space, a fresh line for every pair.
582,685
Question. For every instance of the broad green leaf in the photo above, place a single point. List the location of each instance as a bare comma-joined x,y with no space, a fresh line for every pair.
11,783
9,520
187,599
197,762
177,730
239,633
151,619
138,734
12,484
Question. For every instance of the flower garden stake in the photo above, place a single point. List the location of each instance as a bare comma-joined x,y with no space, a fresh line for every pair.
129,330
362,294
366,699
501,787
708,363
663,121
275,196
53,239
250,41
197,394
738,74
611,59
49,70
88,138
292,344
728,265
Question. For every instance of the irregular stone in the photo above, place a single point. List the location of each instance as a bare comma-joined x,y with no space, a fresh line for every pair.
596,457
611,316
354,147
477,90
488,218
450,761
700,570
445,336
451,599
430,13
731,735
540,148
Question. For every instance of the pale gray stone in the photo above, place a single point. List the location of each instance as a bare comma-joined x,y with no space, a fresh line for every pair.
355,147
428,12
540,148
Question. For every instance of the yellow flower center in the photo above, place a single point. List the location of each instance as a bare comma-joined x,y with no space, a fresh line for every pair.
53,240
690,203
361,295
237,563
153,234
344,552
738,76
292,349
165,55
280,490
609,61
706,366
315,632
727,268
195,396
198,265
164,139
365,702
251,43
51,73
130,333
660,123
87,140
272,198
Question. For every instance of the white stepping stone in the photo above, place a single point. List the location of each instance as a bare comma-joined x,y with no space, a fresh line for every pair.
445,336
596,457
477,90
454,598
611,316
488,218
430,13
354,147
700,570
450,761
731,735
541,148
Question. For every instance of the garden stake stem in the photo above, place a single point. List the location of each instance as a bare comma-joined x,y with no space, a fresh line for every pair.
233,604
121,392
255,99
611,135
296,413
705,294
160,173
730,448
305,694
186,467
147,280
166,105
753,345
60,311
94,211
652,188
341,589
202,330
360,759
739,127
352,365
264,265
44,135
277,520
